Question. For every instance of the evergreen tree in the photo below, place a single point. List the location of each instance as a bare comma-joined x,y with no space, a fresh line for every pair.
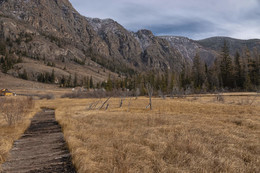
2,48
213,76
91,84
88,83
63,81
253,67
52,78
20,60
98,86
109,85
239,81
2,60
69,81
226,67
185,79
75,83
198,72
24,75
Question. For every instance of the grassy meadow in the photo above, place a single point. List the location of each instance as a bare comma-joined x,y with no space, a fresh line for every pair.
193,134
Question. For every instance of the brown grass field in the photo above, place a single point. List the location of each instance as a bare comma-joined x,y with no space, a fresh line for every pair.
195,134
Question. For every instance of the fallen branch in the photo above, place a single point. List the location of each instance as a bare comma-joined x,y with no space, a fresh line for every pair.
104,103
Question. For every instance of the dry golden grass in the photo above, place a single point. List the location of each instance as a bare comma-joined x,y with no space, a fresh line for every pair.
10,132
178,135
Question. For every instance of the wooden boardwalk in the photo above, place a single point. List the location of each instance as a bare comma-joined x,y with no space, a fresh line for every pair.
42,148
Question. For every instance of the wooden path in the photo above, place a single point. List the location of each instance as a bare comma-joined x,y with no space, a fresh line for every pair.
42,148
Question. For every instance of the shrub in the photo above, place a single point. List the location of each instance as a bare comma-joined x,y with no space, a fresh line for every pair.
46,96
13,110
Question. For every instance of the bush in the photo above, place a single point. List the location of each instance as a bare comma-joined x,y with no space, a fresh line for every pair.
13,110
46,96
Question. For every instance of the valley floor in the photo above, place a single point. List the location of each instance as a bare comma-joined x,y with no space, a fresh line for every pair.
193,134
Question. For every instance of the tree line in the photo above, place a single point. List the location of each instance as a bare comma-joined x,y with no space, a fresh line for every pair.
238,73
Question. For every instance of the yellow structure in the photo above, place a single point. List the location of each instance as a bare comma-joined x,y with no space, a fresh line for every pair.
6,92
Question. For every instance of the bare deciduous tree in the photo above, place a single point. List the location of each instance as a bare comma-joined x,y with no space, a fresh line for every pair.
121,102
161,94
137,93
129,104
125,95
175,91
149,89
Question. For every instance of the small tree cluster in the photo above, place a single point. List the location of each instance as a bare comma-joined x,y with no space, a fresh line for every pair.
70,81
8,61
24,75
46,77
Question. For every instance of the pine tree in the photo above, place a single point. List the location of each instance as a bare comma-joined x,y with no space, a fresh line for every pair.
52,78
88,83
63,81
198,72
69,81
2,48
20,60
213,76
24,75
2,60
75,83
109,85
239,81
226,67
91,84
254,70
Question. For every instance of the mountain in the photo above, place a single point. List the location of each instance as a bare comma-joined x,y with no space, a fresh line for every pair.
188,48
52,31
51,35
216,43
210,48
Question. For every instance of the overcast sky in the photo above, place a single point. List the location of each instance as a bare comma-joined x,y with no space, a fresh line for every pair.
196,19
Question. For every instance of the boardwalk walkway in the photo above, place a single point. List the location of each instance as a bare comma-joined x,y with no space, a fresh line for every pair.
41,149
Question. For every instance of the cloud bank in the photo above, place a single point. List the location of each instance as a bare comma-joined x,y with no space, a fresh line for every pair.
194,19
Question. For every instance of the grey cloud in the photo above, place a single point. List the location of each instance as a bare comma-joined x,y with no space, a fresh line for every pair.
194,19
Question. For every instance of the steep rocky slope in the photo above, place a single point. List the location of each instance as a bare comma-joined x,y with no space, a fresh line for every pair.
48,31
188,48
209,49
53,31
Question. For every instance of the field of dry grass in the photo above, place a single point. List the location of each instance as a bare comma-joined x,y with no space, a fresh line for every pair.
196,134
15,114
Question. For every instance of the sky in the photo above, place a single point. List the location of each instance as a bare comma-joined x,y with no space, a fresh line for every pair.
196,19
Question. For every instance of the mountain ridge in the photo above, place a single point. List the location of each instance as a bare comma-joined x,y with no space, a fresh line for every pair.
52,31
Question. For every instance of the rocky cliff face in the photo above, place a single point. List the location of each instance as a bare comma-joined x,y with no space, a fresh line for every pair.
188,48
52,30
158,52
142,49
209,49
